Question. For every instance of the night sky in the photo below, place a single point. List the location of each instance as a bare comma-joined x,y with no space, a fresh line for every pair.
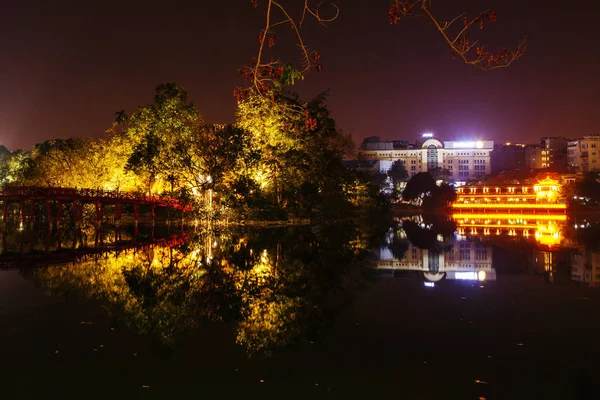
67,66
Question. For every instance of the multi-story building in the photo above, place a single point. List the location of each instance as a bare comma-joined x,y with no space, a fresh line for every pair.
556,156
465,160
584,154
536,157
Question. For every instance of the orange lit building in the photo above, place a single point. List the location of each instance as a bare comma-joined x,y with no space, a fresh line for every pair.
530,210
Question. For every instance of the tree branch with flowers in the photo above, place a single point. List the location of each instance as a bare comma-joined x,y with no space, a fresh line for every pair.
265,74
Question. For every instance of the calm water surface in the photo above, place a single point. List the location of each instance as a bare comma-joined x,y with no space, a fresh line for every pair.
412,309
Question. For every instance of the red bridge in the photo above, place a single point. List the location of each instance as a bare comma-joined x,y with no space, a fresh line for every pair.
79,197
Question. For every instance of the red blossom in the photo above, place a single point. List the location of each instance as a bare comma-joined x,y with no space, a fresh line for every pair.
394,14
311,124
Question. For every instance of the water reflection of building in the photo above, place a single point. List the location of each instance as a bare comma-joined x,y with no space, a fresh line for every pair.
547,231
585,266
462,260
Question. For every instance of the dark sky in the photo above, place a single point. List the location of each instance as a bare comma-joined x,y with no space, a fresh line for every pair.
66,66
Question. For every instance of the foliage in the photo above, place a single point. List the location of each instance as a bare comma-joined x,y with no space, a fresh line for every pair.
398,173
273,163
422,188
83,163
440,174
300,167
419,186
158,133
584,193
14,167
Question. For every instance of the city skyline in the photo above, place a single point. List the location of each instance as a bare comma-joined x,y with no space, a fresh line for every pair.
68,67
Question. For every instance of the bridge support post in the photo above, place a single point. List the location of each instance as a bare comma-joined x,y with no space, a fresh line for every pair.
58,212
99,211
49,212
136,213
23,212
32,213
5,216
76,211
118,213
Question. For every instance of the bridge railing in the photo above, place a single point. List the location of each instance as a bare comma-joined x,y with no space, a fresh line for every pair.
84,194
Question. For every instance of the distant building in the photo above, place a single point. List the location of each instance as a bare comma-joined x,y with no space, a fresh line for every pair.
465,160
508,156
584,154
556,156
536,157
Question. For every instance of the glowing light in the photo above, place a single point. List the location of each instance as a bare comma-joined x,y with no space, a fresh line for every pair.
466,276
428,135
512,206
537,217
481,275
467,145
429,284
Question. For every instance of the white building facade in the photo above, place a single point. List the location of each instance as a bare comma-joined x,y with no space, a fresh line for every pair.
463,159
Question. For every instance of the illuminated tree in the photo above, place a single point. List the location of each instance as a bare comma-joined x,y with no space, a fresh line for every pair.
82,163
15,167
300,167
156,131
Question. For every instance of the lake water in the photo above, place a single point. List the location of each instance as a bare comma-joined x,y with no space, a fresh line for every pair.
408,308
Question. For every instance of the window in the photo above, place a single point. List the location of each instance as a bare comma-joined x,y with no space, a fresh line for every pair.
480,255
414,253
451,254
413,167
413,162
465,254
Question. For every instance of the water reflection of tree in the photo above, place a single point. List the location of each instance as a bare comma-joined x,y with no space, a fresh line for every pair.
277,286
424,235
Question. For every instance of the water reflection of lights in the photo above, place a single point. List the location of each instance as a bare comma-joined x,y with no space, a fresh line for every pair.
470,276
545,228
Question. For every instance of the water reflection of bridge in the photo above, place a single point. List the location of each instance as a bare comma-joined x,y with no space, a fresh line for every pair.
62,256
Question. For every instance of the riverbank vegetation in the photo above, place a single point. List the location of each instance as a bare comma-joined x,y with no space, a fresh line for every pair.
280,160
